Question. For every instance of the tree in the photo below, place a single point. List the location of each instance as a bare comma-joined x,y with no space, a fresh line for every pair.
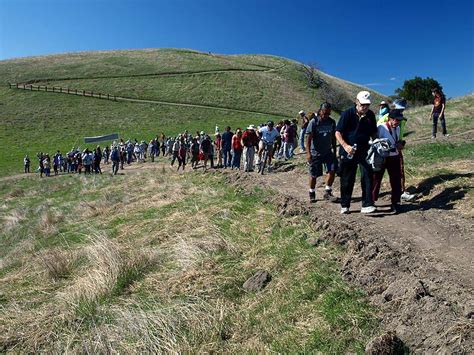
311,72
418,90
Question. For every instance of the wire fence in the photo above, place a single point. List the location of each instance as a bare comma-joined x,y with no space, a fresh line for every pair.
61,90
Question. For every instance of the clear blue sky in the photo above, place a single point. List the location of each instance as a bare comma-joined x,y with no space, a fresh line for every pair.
371,42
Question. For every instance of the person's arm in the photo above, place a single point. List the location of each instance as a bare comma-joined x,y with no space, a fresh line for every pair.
308,145
442,110
343,143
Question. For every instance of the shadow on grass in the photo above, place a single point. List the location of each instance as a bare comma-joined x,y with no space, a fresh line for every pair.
446,199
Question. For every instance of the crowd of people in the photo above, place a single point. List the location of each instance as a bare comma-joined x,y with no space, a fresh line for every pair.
366,142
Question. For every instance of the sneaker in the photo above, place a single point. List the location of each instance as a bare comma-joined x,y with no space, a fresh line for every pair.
368,209
312,197
344,210
446,135
433,137
407,196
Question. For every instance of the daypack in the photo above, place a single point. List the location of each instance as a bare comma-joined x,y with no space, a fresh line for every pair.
379,149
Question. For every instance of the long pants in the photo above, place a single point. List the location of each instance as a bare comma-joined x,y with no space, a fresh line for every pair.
175,156
249,155
392,165
27,168
402,170
236,159
348,172
288,150
302,138
115,167
227,157
435,124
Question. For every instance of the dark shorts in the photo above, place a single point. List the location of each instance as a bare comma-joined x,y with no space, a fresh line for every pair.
316,164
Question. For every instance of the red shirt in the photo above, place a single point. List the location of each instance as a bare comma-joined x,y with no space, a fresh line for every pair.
236,142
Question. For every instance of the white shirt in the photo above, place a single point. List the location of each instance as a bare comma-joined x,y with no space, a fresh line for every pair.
393,135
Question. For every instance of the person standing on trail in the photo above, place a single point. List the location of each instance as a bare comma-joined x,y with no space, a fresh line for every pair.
56,162
175,150
47,165
391,131
218,150
97,159
437,112
194,153
106,154
40,157
237,149
182,153
384,109
249,141
353,132
206,149
26,164
87,160
321,149
304,121
115,157
227,147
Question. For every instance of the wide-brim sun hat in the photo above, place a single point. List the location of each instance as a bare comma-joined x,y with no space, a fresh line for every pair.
251,127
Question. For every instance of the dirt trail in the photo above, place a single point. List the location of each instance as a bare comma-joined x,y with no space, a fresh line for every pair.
417,266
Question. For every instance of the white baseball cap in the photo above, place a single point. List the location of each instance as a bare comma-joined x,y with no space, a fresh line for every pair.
301,112
364,97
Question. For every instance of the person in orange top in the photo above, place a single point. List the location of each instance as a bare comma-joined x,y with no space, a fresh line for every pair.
437,112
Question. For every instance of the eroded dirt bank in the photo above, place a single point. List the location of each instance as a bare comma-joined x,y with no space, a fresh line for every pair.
416,267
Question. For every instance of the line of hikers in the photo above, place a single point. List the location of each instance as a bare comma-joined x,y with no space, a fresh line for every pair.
374,145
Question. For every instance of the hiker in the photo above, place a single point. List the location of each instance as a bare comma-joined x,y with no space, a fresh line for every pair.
106,154
206,147
399,104
268,134
237,149
194,153
384,109
391,131
129,148
97,158
153,149
87,160
122,155
288,139
353,132
40,157
47,165
78,162
249,141
304,121
175,150
437,112
278,146
227,147
26,164
115,157
182,153
218,148
56,162
321,149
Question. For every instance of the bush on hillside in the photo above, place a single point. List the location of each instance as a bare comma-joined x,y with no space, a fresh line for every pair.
418,90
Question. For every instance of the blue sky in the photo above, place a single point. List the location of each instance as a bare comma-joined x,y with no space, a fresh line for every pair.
371,42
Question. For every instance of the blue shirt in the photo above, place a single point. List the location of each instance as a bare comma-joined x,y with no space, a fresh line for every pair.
267,135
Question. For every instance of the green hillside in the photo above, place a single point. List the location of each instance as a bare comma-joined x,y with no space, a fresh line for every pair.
233,89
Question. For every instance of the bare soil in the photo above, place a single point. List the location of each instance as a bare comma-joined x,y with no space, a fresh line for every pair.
416,266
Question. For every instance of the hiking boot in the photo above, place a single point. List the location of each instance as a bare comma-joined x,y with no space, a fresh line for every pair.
407,196
368,209
344,210
312,197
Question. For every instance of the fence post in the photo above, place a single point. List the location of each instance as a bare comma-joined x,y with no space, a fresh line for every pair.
31,87
108,96
83,93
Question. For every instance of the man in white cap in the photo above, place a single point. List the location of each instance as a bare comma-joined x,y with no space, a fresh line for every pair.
304,125
353,132
249,142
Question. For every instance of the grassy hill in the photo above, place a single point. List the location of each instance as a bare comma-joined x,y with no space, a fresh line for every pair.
234,89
